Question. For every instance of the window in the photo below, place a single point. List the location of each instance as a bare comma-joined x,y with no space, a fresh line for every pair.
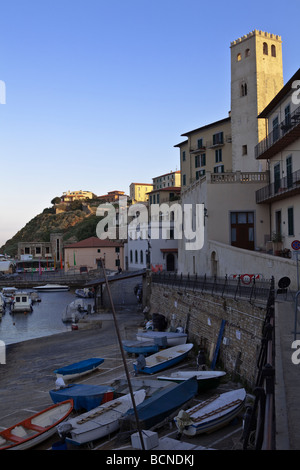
275,129
239,57
218,155
273,51
141,256
244,150
247,52
265,48
219,169
38,250
199,173
136,256
183,156
289,171
244,89
218,138
27,250
183,180
290,221
200,143
131,256
287,115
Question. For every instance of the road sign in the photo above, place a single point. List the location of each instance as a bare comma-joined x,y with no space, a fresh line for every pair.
295,245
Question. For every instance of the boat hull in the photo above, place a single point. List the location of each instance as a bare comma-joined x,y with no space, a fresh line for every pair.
164,359
100,421
206,379
140,347
78,369
52,288
36,429
172,338
215,415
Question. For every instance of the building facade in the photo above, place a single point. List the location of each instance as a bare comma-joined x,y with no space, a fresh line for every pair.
138,192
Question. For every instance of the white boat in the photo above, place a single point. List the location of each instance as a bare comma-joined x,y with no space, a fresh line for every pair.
8,293
36,429
172,338
211,414
162,359
52,288
206,378
21,302
100,421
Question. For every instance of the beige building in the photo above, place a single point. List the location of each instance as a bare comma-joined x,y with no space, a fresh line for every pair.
207,148
280,149
231,217
71,196
167,180
92,252
138,192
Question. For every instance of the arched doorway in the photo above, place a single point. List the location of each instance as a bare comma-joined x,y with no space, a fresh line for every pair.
170,262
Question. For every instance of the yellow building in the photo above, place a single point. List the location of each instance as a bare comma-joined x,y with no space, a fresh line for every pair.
139,192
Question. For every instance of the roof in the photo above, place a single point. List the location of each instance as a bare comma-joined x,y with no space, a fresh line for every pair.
213,124
94,242
280,95
168,188
181,143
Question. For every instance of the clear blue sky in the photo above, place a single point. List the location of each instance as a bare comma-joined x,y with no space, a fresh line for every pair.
99,92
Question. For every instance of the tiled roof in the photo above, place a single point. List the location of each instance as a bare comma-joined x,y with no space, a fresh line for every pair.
94,242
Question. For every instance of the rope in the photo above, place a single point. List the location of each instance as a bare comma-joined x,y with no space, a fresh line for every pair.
218,410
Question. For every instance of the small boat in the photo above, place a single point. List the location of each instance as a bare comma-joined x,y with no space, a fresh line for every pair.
162,404
2,303
74,311
52,288
84,396
98,422
162,359
21,302
140,347
172,338
36,429
84,293
211,414
8,293
78,369
206,379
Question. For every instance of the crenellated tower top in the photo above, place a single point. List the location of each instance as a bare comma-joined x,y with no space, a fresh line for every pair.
256,32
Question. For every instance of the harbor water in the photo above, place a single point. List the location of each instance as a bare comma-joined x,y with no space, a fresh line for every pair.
44,320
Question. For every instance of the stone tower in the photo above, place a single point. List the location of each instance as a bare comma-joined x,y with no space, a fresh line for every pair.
256,77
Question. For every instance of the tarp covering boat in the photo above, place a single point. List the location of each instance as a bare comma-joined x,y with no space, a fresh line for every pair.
84,396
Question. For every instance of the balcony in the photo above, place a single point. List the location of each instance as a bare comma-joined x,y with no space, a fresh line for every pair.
280,137
281,189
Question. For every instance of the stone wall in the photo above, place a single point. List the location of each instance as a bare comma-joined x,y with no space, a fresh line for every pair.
201,314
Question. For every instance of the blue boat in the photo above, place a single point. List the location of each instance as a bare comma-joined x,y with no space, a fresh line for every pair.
162,359
78,368
140,347
162,404
84,396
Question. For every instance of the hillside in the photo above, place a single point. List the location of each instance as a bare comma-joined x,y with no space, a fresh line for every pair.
76,225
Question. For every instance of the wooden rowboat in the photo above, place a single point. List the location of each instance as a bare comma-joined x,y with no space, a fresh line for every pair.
98,422
162,359
36,429
211,414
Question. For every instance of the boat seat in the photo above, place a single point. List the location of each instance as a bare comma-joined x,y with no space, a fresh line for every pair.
35,427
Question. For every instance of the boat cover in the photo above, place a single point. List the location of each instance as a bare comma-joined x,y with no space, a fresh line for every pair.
161,404
79,367
84,396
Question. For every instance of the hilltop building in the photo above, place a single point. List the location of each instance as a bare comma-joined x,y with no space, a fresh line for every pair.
138,192
70,196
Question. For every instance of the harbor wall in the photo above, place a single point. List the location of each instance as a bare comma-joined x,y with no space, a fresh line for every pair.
201,315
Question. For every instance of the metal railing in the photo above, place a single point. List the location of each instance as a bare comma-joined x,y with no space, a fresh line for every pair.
282,186
259,427
289,123
246,287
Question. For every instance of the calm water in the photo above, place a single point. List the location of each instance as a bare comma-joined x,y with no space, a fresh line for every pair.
44,320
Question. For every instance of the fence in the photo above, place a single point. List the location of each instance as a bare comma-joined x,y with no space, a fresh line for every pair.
239,287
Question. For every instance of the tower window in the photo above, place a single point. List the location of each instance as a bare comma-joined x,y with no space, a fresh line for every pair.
239,57
244,90
265,48
273,50
244,150
247,52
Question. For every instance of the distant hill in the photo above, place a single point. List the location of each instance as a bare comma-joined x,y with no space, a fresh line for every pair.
76,225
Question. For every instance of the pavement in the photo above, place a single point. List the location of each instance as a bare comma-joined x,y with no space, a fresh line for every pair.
287,377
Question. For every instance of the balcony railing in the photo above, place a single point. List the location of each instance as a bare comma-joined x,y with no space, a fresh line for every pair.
281,188
281,135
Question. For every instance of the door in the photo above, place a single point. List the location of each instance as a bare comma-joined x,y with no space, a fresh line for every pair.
170,262
242,230
289,172
276,178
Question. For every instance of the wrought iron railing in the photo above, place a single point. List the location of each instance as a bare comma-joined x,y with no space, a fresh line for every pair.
289,123
283,186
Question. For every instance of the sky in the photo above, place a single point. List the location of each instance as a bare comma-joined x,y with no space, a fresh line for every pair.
98,92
